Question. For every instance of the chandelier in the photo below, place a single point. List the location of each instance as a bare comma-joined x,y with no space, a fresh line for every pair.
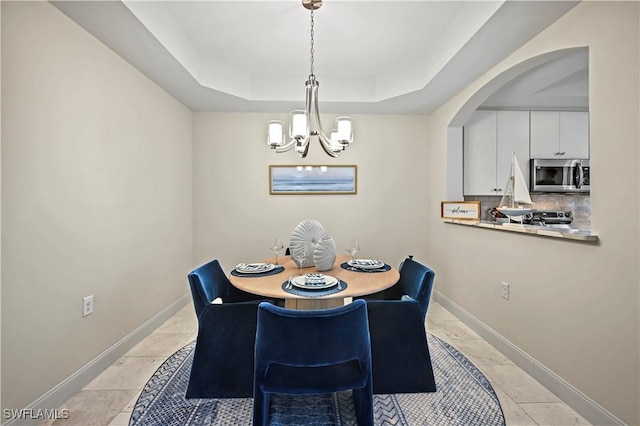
306,123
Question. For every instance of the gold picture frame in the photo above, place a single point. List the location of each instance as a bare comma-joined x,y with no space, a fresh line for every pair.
313,179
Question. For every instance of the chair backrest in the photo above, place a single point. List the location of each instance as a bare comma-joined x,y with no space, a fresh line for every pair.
401,361
223,359
311,352
207,283
312,338
416,281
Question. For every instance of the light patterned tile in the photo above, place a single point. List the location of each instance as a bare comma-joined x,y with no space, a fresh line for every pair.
132,403
187,311
439,314
160,344
126,373
456,330
553,414
437,330
481,353
94,408
122,419
514,415
179,324
517,384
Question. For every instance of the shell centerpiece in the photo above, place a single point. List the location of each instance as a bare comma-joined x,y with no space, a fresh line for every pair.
324,255
303,242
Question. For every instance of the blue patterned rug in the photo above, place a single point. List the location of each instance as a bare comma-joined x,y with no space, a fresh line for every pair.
464,398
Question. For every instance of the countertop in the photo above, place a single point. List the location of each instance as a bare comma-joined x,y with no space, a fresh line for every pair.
544,231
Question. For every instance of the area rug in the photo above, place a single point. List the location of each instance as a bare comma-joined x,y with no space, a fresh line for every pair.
464,397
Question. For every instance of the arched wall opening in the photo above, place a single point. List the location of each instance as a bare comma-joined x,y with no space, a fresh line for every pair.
454,177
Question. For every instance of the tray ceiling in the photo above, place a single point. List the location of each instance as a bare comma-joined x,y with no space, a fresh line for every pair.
370,57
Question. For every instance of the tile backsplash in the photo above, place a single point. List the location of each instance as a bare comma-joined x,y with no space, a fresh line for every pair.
579,204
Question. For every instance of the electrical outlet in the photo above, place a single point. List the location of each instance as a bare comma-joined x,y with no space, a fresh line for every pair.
87,305
505,290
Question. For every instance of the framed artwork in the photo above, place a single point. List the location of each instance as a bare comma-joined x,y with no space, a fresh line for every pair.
313,179
465,210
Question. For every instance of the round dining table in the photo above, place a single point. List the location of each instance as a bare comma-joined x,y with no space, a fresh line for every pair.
358,283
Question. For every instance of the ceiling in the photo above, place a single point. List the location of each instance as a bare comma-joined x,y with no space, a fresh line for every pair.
398,57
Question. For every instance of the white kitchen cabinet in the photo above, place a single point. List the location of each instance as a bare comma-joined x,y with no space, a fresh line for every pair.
559,134
479,153
490,137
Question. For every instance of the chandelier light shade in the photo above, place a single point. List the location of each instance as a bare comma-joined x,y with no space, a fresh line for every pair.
276,135
304,124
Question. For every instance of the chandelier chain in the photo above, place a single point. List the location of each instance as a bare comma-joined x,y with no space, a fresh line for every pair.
312,42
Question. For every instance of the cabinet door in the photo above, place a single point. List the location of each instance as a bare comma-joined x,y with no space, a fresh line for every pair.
480,154
574,134
512,136
545,134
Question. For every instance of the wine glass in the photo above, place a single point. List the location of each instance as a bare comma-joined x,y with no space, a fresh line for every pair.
298,255
276,246
353,246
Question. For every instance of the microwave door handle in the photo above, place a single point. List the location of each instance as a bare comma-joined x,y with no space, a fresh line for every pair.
578,175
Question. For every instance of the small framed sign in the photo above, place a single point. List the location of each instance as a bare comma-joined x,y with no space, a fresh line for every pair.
464,210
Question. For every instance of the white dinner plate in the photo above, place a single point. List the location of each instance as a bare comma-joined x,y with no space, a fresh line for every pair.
255,268
366,263
306,282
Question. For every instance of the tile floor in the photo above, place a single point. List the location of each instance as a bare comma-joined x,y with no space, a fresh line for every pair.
109,399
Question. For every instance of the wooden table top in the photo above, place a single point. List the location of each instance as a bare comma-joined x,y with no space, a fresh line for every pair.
358,283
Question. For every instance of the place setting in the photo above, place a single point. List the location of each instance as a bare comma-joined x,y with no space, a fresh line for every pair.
366,265
256,269
261,269
362,265
313,285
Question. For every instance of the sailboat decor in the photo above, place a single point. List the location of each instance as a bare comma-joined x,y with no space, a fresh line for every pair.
516,200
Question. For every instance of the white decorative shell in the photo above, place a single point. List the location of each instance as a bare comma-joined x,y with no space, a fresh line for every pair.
303,242
325,254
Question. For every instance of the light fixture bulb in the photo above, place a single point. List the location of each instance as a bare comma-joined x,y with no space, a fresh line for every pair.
275,134
299,128
345,134
335,141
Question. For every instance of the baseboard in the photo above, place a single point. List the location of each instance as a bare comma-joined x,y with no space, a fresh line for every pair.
64,390
581,403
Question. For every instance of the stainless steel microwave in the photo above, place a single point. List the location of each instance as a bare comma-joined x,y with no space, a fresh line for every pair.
560,176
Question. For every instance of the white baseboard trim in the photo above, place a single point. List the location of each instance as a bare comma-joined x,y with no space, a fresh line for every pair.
585,406
64,390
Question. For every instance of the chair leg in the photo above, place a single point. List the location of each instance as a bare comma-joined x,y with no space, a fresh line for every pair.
363,404
260,408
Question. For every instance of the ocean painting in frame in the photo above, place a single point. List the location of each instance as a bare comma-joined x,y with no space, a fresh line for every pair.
287,180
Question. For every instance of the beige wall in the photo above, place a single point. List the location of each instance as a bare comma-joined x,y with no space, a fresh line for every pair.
234,215
574,307
96,199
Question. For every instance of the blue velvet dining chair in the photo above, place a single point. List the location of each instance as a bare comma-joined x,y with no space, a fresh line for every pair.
208,282
223,358
400,357
416,282
312,352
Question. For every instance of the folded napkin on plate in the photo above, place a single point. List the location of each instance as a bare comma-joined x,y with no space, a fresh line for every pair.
366,262
314,279
253,267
